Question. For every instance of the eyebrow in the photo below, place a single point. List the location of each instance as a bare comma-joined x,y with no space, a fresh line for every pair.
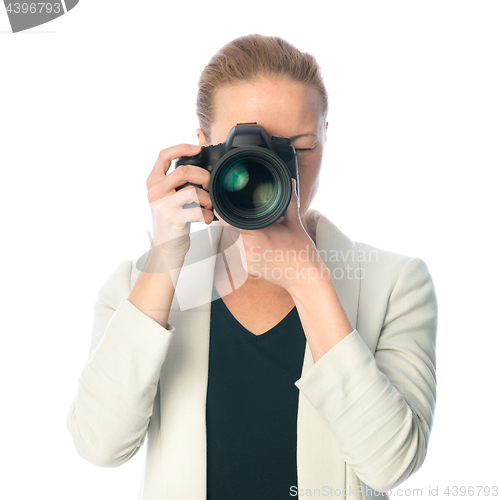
303,135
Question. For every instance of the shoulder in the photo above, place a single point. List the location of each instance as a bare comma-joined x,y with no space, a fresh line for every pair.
386,266
378,270
394,289
375,263
379,261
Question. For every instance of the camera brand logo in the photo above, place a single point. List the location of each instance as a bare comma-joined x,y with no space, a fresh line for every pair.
26,15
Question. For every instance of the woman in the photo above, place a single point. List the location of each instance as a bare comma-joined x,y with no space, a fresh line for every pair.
314,374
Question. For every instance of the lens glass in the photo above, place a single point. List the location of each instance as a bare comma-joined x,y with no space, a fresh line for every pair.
249,186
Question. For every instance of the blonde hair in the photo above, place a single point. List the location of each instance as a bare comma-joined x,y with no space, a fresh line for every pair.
249,57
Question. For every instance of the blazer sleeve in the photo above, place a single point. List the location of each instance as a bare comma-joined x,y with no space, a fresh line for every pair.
109,416
380,407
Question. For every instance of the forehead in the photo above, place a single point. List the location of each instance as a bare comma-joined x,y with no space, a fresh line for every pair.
280,106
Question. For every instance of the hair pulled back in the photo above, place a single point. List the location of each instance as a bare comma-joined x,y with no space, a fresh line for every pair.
249,57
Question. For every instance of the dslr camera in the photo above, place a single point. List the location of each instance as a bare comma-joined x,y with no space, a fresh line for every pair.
250,176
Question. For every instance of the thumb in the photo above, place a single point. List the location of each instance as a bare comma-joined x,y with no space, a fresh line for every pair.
292,212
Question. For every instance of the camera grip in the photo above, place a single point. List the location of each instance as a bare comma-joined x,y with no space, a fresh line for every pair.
189,160
193,204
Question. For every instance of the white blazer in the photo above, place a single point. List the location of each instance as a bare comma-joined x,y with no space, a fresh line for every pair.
365,408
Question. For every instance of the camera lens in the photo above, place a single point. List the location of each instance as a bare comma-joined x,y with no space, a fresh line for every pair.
251,187
247,185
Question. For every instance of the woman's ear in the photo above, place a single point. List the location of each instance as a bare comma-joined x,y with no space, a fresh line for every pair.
202,140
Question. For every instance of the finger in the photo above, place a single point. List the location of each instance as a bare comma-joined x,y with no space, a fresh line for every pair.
189,173
292,212
194,214
165,158
192,194
182,174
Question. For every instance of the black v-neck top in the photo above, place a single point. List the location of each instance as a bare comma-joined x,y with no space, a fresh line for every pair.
252,405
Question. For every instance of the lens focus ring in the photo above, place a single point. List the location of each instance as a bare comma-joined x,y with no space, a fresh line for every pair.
250,187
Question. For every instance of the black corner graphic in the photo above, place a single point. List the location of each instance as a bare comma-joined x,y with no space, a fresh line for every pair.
26,15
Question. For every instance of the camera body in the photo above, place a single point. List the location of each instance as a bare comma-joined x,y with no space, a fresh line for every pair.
250,176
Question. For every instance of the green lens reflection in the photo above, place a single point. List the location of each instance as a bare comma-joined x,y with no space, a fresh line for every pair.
262,194
249,185
237,179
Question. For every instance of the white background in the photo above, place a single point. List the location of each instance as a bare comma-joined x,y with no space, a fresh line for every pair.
87,102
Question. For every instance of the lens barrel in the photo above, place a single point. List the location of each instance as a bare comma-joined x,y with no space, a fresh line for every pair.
250,187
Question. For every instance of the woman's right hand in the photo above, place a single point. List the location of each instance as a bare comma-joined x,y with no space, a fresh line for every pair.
171,222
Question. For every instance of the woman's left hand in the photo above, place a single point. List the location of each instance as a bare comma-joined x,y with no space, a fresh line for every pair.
282,253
